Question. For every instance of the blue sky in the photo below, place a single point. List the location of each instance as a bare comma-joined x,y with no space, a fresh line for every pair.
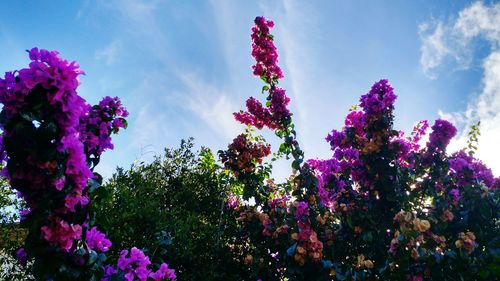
182,67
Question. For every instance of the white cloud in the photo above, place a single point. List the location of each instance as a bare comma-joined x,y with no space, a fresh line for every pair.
212,105
433,49
479,20
140,26
455,38
153,117
109,53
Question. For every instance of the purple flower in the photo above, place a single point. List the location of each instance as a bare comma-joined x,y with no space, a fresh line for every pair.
302,209
163,273
109,271
455,195
232,201
335,138
99,122
279,103
381,97
135,264
59,183
442,132
22,256
96,240
355,119
467,170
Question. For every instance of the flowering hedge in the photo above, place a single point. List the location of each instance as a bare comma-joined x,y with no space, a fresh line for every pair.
385,206
53,139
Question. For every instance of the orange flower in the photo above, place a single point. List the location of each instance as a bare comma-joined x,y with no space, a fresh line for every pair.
421,225
248,259
301,250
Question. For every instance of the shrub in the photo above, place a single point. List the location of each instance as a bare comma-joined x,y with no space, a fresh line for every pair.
383,207
172,208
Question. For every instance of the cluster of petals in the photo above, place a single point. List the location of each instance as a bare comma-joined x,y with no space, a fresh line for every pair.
233,201
61,233
355,120
467,241
278,104
275,114
271,116
50,72
308,244
381,97
79,132
55,81
99,122
329,172
442,132
243,154
467,170
301,210
134,266
264,51
97,240
257,115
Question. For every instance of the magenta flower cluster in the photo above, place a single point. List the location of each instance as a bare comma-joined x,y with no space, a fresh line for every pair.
97,240
99,122
52,139
381,97
381,208
52,80
134,266
467,170
275,114
61,233
272,116
264,51
442,132
257,115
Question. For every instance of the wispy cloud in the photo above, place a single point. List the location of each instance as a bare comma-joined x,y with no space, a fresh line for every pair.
434,48
109,53
140,26
456,37
151,124
212,105
300,44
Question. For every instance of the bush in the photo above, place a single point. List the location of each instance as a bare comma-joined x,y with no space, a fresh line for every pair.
385,206
172,208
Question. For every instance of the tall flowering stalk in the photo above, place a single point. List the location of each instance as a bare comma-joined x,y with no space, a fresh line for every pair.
287,224
383,207
53,139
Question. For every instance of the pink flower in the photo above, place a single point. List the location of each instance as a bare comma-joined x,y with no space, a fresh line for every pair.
135,264
59,183
96,240
60,233
163,273
417,277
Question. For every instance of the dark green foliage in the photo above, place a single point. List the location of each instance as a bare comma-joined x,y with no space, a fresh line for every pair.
172,208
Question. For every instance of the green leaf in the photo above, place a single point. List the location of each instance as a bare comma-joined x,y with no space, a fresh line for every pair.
367,236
